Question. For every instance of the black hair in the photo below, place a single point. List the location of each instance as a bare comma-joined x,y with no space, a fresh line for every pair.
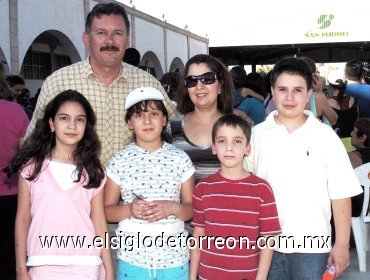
106,9
239,76
224,100
363,128
294,66
342,89
132,57
13,80
41,142
143,106
354,70
233,121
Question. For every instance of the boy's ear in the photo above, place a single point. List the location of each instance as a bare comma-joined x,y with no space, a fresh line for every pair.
214,150
164,121
309,93
247,149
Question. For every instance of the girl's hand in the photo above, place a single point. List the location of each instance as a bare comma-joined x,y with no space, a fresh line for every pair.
157,210
137,208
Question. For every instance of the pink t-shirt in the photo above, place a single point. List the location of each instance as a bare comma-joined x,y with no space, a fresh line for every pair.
61,214
13,125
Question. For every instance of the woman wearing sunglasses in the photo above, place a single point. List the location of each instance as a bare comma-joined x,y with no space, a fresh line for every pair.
205,94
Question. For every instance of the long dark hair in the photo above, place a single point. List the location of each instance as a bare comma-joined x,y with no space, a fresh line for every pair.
5,91
224,100
41,142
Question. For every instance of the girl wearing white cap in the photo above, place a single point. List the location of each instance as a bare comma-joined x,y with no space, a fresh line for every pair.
155,181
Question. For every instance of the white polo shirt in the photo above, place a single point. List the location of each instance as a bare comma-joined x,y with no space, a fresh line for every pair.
306,169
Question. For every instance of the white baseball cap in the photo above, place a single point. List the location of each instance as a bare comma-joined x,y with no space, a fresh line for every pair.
336,75
141,94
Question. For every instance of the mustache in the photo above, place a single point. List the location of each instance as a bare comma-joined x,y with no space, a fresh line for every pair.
109,48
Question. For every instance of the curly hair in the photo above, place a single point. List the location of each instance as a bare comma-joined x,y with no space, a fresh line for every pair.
224,100
40,144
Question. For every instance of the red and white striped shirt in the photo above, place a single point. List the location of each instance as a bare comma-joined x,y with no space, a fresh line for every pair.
239,211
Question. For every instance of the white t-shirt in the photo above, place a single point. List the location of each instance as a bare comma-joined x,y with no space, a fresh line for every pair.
306,170
156,176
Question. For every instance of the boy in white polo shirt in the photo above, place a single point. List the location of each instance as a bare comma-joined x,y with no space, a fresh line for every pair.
309,171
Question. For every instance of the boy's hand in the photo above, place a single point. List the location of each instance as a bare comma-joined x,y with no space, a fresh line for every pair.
137,208
340,256
157,210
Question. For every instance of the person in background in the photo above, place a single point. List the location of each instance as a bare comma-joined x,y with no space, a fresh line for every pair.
361,141
269,101
318,104
155,182
132,57
103,78
253,106
309,171
12,131
17,84
61,184
354,73
170,82
232,203
205,94
345,106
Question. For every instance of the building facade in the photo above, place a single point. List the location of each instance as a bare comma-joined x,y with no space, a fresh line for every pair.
40,36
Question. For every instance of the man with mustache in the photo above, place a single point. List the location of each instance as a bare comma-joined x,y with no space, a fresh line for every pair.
103,78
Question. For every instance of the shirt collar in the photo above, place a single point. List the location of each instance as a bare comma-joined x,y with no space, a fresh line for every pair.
270,122
165,146
88,69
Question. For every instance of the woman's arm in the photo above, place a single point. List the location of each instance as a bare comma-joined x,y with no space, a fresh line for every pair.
323,108
101,229
22,226
251,92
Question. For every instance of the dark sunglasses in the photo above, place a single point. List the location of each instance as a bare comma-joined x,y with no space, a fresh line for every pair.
206,79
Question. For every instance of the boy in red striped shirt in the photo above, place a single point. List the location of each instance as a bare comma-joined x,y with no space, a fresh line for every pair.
234,212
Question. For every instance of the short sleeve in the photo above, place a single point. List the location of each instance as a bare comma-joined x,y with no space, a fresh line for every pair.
26,172
187,168
113,170
269,219
100,188
198,217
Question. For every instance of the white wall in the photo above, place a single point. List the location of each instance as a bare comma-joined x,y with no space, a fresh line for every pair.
176,47
149,37
4,32
64,16
197,47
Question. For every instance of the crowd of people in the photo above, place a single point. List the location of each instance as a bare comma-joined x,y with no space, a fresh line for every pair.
172,160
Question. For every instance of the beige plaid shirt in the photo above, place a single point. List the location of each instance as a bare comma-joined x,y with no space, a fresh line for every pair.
107,102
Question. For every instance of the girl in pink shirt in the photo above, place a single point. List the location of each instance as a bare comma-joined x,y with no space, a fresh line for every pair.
60,205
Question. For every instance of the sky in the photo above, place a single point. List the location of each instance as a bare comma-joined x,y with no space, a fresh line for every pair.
246,22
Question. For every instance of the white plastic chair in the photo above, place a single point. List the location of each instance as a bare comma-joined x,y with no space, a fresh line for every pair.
359,226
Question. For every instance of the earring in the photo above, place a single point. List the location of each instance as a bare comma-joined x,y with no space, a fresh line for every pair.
219,92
